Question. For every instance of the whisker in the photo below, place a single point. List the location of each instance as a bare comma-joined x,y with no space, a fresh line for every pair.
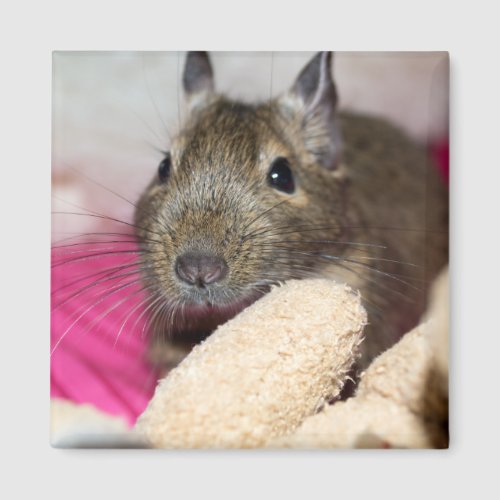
93,251
331,242
273,231
101,299
101,316
271,246
85,276
158,309
352,261
97,183
373,284
72,260
147,299
82,290
155,106
271,77
106,217
76,235
145,311
177,89
154,216
264,213
375,270
87,243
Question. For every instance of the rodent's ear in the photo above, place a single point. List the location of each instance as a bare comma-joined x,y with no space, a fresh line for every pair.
313,100
198,79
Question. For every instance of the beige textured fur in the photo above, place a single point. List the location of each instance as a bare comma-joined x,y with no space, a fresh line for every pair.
402,399
259,375
259,379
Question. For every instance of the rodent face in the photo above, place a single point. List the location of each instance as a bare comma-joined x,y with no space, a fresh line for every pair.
214,229
217,200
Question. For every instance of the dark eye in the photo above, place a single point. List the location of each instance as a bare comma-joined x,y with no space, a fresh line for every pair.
280,175
164,168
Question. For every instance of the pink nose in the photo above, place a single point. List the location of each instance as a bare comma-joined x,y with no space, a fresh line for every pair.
200,269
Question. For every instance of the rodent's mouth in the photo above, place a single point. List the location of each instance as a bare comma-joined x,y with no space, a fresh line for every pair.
198,304
204,305
192,316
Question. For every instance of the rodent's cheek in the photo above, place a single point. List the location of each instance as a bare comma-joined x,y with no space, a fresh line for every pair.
160,268
156,190
245,262
299,198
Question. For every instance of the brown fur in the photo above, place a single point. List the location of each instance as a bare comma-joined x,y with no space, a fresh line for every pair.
382,192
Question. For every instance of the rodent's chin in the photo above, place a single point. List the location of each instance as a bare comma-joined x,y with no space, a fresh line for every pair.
198,305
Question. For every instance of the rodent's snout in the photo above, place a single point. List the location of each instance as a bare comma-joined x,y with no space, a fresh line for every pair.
200,269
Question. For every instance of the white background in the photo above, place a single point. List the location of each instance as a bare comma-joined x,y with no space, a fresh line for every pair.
29,31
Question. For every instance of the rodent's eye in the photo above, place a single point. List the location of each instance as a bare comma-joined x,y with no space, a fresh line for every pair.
280,175
164,168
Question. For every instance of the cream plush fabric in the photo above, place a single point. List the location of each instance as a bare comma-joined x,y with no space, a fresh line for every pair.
402,399
263,379
262,373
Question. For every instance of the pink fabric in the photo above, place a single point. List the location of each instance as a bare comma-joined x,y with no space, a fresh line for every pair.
440,152
92,361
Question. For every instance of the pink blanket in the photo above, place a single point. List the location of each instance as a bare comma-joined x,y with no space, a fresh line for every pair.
98,338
